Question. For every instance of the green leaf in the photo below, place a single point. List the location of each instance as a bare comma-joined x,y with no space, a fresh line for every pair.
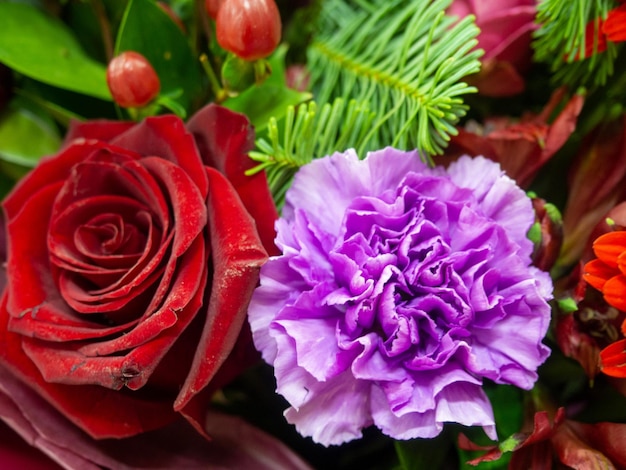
306,134
383,73
24,139
271,98
260,103
150,31
42,47
59,113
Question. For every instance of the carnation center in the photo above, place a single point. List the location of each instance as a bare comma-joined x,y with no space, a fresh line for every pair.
398,272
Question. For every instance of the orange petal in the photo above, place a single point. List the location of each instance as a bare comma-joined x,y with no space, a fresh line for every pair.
615,25
609,246
613,359
621,262
596,273
614,291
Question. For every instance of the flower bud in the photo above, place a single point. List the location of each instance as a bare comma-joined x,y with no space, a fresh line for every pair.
212,7
132,80
249,29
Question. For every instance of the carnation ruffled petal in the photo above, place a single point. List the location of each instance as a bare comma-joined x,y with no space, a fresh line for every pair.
335,412
498,195
466,404
400,288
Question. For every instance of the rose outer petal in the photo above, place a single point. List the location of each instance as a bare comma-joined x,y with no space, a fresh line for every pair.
127,414
100,129
237,258
135,369
167,137
148,342
224,139
49,171
234,444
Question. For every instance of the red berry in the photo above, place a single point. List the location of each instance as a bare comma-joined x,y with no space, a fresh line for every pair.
132,80
212,7
248,28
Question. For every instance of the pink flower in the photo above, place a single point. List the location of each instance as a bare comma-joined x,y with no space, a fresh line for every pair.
505,34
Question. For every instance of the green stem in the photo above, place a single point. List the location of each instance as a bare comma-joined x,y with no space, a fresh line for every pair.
218,91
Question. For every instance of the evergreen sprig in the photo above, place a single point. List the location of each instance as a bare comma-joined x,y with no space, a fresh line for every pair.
404,58
383,73
306,133
561,40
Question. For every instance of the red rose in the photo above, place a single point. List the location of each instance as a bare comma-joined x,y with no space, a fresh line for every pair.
131,259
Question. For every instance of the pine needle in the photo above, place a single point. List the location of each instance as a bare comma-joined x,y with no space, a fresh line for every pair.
560,41
383,73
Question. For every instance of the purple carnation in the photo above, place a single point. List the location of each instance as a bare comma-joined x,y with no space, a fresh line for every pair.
399,289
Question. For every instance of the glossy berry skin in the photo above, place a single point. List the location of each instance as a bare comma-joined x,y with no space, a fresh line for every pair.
212,7
132,80
250,29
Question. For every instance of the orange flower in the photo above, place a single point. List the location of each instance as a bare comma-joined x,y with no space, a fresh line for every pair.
607,273
615,25
599,31
613,358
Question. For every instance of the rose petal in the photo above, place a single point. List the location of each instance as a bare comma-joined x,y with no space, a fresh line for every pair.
237,257
49,171
102,130
147,343
235,445
224,139
166,137
127,414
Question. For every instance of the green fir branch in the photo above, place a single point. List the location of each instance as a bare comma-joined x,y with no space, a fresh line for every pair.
560,41
383,73
404,58
306,133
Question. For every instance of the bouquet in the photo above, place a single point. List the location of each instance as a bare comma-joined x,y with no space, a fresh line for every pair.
313,234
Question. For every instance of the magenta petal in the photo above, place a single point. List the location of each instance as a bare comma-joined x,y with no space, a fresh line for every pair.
468,405
498,195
